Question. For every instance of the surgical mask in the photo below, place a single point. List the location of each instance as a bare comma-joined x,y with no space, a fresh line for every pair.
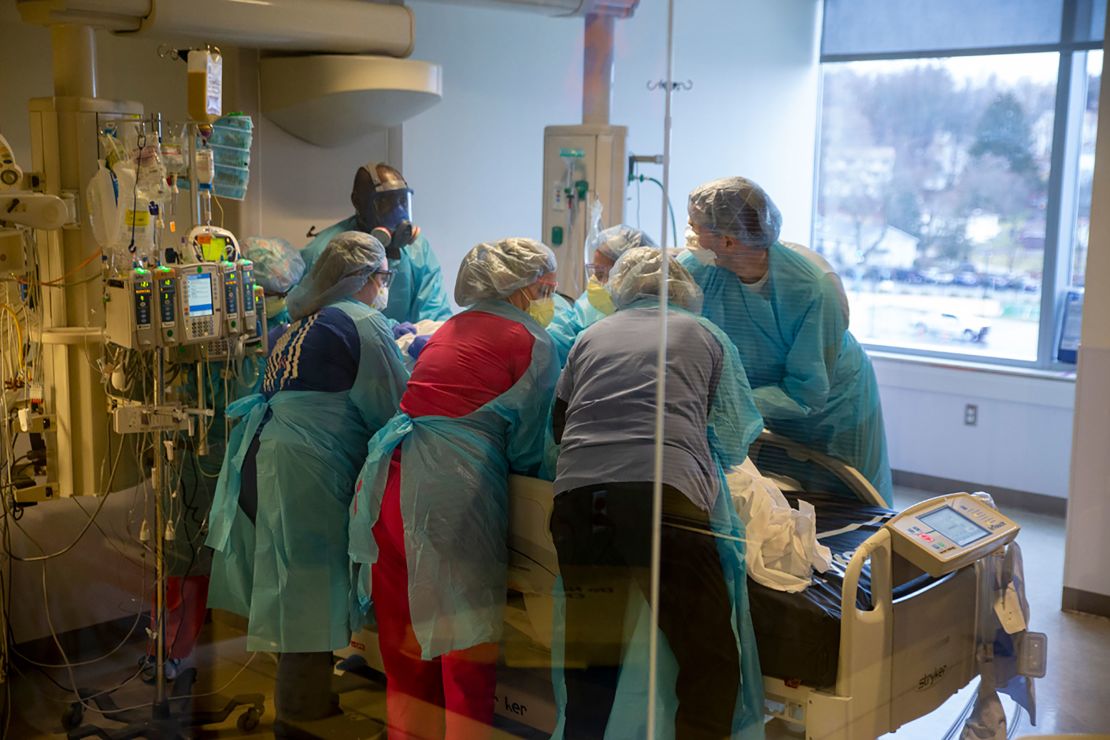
598,296
381,300
702,255
542,310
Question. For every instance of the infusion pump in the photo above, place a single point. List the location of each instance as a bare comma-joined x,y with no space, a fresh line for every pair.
182,305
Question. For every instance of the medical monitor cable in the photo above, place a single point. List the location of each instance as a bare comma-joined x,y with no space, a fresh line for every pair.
68,665
100,506
670,209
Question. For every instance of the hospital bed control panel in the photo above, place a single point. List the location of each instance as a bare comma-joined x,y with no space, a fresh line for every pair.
946,533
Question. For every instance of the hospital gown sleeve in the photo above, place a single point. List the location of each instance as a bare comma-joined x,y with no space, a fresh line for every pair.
810,363
530,437
379,397
564,329
431,299
734,422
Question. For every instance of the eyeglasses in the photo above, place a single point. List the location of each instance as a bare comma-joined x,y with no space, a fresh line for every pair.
544,288
599,271
385,277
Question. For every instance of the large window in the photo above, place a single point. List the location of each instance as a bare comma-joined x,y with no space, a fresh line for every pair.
954,185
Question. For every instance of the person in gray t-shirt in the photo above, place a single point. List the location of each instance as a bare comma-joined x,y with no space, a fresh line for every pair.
604,420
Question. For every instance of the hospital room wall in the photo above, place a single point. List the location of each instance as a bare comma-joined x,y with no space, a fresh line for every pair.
475,159
1086,577
296,185
1021,440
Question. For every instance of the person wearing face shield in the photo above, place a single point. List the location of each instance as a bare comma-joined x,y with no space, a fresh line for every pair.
786,311
429,523
383,207
278,523
595,303
601,524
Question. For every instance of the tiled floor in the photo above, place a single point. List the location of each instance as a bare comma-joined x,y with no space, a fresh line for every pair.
1073,697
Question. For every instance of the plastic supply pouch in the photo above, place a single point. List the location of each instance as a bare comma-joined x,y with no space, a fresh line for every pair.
100,198
594,229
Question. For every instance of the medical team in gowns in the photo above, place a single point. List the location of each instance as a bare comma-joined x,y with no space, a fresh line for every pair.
785,311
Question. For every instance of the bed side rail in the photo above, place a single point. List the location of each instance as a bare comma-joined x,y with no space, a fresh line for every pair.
815,471
865,668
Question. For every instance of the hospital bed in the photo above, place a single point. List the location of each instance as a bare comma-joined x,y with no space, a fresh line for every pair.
872,644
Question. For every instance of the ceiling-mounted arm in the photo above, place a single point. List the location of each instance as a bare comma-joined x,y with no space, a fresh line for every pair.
352,26
559,8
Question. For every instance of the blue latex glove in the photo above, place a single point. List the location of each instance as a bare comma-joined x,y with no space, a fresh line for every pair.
417,345
403,328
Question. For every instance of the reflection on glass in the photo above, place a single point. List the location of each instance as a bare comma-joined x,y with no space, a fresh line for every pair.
931,198
1086,170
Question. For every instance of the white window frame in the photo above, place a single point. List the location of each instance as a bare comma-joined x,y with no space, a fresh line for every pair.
1061,209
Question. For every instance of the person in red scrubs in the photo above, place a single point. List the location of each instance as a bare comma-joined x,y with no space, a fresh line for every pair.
431,512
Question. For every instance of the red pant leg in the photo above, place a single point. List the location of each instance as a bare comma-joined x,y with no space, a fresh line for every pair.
186,600
469,681
414,689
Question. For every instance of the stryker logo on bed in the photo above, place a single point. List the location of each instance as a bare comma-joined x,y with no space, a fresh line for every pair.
929,679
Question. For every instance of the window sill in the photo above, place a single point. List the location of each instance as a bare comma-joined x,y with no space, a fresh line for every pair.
1066,376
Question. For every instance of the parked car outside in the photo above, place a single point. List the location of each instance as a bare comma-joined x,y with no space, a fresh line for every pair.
952,327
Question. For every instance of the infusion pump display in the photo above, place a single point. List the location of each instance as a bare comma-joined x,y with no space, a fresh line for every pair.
201,304
183,304
946,533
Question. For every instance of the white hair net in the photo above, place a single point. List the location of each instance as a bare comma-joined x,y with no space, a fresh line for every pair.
637,275
278,265
736,207
340,271
616,240
498,269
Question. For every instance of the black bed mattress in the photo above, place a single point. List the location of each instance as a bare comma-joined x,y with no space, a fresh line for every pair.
798,635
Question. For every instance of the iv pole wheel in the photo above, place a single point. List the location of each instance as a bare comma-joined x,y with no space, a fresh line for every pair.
72,716
248,720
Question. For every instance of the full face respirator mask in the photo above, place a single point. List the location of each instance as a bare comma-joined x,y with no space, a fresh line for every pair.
383,206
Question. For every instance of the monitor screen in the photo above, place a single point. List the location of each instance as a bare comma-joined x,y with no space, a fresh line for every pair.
954,525
199,294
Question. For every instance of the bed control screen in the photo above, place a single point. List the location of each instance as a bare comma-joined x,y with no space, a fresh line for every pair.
955,527
946,533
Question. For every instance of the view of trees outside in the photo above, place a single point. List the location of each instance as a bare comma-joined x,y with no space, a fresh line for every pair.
932,192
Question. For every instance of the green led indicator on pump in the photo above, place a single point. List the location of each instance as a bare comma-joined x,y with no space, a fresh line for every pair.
572,153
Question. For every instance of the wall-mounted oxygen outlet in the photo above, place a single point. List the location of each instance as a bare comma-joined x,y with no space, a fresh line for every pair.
971,415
